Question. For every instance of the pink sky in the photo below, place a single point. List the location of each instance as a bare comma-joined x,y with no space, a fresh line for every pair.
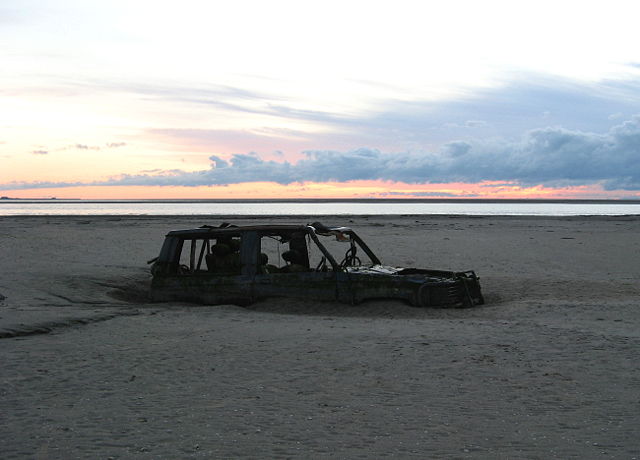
352,189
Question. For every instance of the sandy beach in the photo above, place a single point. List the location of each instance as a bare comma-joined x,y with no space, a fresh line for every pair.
547,369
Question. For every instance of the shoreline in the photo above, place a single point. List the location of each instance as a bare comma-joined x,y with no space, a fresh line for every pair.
320,216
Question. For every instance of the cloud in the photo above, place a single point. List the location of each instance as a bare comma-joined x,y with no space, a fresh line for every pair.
504,110
474,123
78,146
85,147
552,156
227,98
223,97
466,124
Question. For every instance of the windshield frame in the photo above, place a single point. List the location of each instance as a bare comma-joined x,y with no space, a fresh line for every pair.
354,239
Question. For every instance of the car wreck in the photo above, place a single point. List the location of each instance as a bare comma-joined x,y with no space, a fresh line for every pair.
242,264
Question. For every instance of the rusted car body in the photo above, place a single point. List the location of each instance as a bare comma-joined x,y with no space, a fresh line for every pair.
230,264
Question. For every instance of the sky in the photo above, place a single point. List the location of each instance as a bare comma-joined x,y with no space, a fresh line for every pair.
333,99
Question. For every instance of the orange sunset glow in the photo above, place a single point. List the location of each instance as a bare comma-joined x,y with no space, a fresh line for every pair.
330,190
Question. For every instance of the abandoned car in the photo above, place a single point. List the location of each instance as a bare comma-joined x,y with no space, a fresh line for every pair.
241,264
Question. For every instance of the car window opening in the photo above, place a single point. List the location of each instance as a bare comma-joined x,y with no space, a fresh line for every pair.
286,253
218,255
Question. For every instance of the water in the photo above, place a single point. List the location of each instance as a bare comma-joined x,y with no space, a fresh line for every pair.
363,207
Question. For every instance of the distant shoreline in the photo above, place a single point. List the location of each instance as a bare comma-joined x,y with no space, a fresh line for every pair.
8,200
307,218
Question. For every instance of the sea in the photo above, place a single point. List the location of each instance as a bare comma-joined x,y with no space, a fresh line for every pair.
59,207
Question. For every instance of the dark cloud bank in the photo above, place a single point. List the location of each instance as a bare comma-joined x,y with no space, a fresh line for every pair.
551,156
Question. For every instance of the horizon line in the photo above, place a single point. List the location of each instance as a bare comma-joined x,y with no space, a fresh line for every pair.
326,200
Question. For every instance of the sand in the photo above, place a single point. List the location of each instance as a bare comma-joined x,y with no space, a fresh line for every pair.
548,368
